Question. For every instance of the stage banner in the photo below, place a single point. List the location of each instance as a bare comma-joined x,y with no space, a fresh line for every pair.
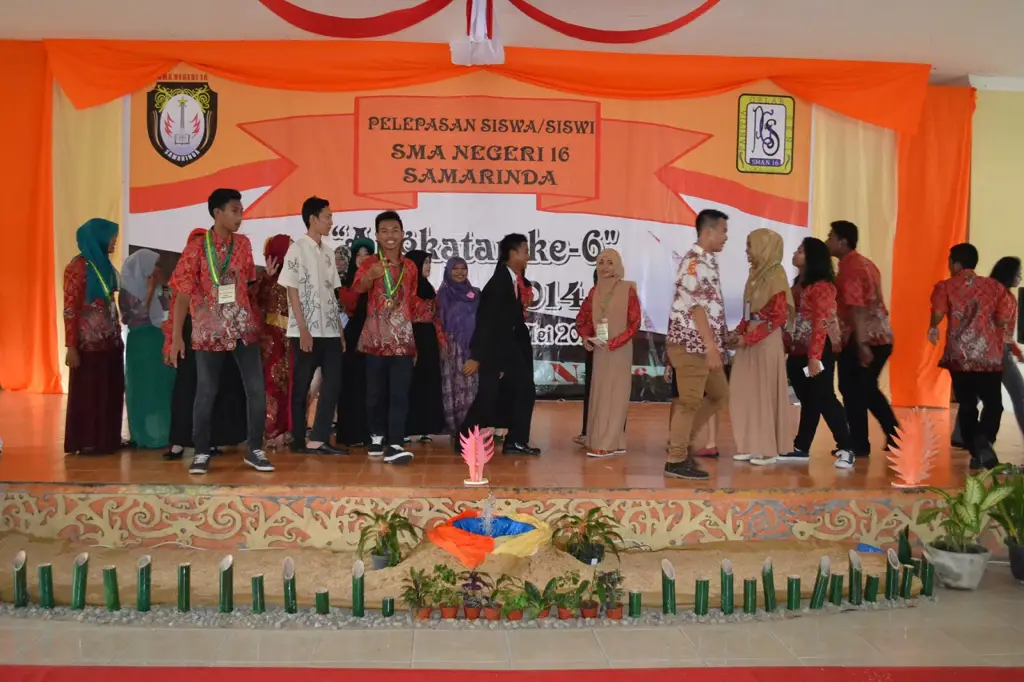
468,160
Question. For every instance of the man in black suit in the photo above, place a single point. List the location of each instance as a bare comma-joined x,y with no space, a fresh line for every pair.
501,352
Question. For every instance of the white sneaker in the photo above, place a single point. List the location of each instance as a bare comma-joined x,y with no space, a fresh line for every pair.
844,459
743,458
600,454
376,448
763,461
396,454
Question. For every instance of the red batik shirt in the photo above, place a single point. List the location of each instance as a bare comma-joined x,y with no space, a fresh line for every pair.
426,313
816,321
88,325
388,330
772,316
859,285
585,320
1011,327
218,326
977,311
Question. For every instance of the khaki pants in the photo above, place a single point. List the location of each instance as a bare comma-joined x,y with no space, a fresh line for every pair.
702,393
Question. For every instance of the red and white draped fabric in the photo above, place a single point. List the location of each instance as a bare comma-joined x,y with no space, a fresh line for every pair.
479,46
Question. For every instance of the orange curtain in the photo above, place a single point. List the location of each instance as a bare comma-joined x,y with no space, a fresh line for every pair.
934,192
93,72
28,335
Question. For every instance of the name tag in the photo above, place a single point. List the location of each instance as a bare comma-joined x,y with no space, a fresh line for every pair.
601,329
746,311
226,293
167,315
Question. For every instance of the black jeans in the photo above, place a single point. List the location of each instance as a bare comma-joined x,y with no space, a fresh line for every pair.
326,355
388,378
817,397
859,386
970,387
208,373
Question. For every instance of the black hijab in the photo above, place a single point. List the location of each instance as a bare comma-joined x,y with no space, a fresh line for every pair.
424,289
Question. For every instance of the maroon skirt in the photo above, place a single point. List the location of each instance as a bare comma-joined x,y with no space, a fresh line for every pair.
95,403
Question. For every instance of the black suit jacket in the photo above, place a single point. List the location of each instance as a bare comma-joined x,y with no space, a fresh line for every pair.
501,340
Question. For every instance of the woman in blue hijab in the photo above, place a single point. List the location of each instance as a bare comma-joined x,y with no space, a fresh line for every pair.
92,335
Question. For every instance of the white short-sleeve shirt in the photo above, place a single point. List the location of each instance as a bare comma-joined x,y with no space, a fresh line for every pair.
310,269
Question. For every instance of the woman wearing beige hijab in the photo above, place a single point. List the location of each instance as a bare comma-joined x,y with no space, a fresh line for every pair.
759,397
607,322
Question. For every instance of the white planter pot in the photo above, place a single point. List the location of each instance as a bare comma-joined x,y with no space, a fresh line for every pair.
958,571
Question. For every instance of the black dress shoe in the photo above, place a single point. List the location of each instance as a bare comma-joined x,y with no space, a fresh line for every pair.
519,449
325,449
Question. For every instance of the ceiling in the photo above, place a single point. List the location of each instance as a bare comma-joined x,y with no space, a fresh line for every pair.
958,37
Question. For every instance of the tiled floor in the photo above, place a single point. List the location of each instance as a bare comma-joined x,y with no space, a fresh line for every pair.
961,629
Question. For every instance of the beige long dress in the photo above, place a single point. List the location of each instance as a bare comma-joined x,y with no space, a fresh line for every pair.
759,398
611,383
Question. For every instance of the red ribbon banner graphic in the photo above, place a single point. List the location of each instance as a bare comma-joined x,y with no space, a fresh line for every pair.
331,26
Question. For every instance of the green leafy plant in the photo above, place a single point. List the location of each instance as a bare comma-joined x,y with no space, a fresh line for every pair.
539,599
1009,512
383,532
966,515
445,588
572,591
477,589
417,589
587,537
610,592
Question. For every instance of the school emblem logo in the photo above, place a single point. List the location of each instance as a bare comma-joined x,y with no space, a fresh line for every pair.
182,120
764,135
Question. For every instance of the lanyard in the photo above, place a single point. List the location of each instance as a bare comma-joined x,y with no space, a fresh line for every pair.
391,286
106,289
211,259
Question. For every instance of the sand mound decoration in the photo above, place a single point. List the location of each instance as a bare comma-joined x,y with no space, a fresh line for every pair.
319,569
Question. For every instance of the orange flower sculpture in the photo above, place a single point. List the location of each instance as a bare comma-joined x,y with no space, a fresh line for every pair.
477,450
917,443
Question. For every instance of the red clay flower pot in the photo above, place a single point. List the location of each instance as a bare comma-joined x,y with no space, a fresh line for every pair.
472,612
424,613
515,615
545,613
589,609
449,612
493,612
614,613
566,614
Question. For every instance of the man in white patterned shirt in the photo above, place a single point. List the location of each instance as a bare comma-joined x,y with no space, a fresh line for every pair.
314,326
695,343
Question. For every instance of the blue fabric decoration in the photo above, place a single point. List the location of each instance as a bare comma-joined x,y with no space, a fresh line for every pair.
501,526
868,549
94,238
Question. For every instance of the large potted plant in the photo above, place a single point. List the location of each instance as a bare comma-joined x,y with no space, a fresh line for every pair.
382,532
476,592
588,537
446,592
1009,514
417,593
959,559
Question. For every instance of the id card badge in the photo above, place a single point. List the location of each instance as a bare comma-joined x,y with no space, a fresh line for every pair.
167,315
746,311
226,293
601,330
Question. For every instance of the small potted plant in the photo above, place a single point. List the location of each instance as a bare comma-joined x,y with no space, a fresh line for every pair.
417,592
959,559
476,591
446,592
382,532
589,607
509,597
1009,514
610,592
588,537
541,601
570,594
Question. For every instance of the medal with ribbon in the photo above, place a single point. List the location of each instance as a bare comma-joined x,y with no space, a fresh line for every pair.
225,293
392,286
107,293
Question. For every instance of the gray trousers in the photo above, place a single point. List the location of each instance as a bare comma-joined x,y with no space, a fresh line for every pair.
1014,384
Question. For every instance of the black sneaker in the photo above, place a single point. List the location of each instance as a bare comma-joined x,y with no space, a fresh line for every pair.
376,448
795,456
257,459
687,469
396,454
200,464
173,454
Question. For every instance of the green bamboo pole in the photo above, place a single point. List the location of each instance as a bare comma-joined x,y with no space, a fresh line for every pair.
871,589
79,579
185,587
291,601
728,593
927,579
892,575
835,589
821,583
636,608
768,585
20,580
259,602
856,579
358,589
111,593
702,596
750,595
387,607
907,581
227,584
46,599
793,593
917,563
668,587
323,602
144,591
